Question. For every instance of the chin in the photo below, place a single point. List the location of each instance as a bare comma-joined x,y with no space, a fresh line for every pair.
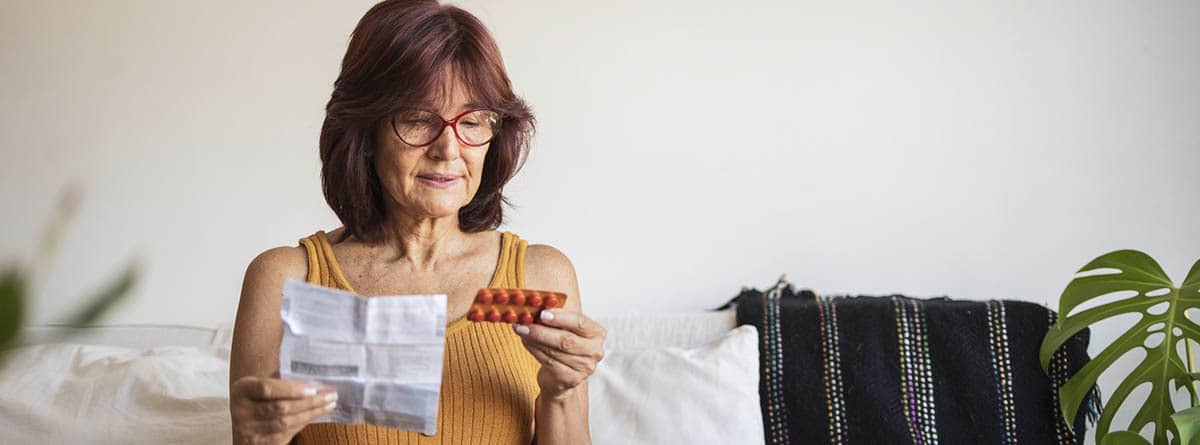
442,210
431,205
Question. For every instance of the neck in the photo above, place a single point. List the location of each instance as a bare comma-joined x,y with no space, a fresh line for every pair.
423,241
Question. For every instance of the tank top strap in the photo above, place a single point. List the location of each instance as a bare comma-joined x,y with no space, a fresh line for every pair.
322,266
510,268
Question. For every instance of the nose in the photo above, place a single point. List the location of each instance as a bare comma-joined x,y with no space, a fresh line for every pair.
446,147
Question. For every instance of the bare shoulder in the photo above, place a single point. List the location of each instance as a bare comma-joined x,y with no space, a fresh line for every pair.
257,330
279,263
262,286
547,256
548,268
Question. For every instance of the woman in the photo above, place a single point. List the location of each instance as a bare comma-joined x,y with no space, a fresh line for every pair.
421,134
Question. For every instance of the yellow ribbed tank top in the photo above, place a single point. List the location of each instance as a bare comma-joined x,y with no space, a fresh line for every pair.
489,380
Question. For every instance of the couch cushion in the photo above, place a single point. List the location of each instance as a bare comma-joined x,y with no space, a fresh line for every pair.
54,393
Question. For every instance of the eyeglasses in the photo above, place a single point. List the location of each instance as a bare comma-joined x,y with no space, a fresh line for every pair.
419,128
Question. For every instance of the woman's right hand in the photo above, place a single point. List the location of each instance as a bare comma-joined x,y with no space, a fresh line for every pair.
272,411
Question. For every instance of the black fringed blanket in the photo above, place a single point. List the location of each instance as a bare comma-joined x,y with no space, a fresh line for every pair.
898,370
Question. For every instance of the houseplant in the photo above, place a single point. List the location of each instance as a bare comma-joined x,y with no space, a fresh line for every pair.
1163,331
17,278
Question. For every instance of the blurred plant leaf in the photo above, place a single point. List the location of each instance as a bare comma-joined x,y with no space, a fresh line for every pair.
1123,438
1188,423
13,286
1162,367
15,280
107,297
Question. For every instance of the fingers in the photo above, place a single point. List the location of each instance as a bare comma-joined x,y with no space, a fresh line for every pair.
291,423
569,346
273,409
546,356
572,321
556,376
563,340
299,420
271,389
539,352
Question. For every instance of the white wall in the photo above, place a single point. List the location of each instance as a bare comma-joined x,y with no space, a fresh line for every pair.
686,148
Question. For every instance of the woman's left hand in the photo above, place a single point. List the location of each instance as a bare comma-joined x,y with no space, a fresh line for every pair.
568,344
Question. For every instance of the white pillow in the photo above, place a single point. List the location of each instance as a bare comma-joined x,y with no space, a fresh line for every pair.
69,393
702,395
641,330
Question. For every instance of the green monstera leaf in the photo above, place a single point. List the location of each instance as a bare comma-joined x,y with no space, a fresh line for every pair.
1162,330
1123,438
1188,422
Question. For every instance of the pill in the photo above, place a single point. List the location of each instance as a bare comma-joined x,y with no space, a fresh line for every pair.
512,305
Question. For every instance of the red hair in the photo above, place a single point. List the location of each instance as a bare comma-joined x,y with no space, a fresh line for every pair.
397,58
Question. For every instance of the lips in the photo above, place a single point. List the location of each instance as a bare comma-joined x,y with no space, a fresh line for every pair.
438,177
437,180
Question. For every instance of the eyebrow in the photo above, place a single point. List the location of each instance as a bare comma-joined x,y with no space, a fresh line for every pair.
430,106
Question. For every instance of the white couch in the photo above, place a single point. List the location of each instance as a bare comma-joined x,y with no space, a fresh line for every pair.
673,378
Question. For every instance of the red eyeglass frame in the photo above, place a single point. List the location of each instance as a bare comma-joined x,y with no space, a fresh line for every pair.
452,123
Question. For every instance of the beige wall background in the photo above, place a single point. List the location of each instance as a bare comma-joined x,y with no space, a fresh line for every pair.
686,148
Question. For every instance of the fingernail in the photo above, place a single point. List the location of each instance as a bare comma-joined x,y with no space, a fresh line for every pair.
521,329
331,397
547,315
330,406
310,391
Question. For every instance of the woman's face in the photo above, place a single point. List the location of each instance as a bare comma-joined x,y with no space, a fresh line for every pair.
435,180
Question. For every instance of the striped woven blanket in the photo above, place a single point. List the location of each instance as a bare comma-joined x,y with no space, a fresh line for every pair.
896,370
